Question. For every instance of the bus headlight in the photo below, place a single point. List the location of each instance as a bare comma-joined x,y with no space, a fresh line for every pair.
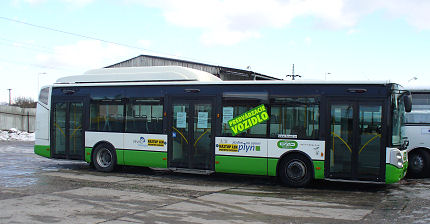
400,164
396,159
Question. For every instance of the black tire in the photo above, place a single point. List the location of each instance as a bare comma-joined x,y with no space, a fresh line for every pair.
104,157
295,171
419,164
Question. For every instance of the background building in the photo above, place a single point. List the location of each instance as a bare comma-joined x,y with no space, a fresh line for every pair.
223,73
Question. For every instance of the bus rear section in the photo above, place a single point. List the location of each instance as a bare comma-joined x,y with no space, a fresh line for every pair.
42,135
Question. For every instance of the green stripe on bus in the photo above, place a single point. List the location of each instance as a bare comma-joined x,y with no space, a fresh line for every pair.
393,174
42,150
145,158
120,157
88,154
318,169
272,165
241,165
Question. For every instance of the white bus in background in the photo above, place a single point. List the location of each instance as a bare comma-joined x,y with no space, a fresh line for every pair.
417,130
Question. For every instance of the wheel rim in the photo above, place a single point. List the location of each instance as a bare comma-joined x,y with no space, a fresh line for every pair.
296,170
104,157
417,163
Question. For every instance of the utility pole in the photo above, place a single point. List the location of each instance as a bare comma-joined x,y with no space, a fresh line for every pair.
10,96
293,76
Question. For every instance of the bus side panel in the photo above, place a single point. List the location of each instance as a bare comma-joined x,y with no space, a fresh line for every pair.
315,149
241,155
318,169
42,150
241,165
115,139
88,152
145,158
272,167
418,136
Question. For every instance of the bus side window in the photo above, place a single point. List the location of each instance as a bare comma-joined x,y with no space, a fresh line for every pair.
144,115
258,130
106,115
298,117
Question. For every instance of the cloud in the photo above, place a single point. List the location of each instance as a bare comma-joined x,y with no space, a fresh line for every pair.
79,3
144,43
226,37
85,54
34,1
231,21
415,12
352,31
308,41
17,3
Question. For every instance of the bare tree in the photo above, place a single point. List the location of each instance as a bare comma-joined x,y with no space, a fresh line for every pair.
24,102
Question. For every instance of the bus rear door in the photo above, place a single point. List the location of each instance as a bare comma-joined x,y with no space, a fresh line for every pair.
67,119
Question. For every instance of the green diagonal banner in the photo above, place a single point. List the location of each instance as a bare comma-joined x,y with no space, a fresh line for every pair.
248,119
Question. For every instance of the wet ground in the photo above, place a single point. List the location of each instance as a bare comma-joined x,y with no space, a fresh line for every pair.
38,190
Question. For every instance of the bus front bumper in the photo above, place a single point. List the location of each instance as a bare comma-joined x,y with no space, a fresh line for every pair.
394,173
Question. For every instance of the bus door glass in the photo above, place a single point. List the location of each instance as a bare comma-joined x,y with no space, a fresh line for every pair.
354,141
67,131
191,135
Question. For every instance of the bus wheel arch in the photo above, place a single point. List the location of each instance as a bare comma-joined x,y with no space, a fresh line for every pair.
103,156
295,169
419,162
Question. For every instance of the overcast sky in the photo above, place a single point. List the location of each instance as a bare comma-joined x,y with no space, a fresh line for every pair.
42,40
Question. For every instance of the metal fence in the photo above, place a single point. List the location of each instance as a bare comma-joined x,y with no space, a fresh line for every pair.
23,119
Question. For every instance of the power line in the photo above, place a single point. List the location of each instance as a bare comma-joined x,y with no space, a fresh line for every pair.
73,34
89,37
15,43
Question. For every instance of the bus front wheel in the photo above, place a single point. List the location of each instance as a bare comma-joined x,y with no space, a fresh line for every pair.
295,171
104,157
419,163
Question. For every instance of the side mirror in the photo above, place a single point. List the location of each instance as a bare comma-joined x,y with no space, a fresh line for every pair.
407,99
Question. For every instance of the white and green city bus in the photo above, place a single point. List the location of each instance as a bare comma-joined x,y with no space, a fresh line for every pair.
417,130
191,121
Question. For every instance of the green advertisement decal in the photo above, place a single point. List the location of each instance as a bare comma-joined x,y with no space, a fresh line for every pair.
248,119
283,144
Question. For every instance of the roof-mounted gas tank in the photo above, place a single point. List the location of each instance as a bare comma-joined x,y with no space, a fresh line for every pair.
141,74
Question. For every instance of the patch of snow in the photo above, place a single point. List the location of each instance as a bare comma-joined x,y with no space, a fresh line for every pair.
15,135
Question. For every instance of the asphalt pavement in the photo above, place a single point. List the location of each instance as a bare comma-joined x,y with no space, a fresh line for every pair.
34,189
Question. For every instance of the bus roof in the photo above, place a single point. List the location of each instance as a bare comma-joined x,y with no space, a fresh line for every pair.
141,74
177,75
418,88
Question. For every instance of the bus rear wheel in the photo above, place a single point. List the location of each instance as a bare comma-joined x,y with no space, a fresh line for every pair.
104,157
419,164
295,171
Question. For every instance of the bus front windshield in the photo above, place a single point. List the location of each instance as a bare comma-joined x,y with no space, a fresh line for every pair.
398,118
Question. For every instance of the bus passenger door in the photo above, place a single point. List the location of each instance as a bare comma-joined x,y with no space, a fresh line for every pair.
67,140
354,146
190,135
